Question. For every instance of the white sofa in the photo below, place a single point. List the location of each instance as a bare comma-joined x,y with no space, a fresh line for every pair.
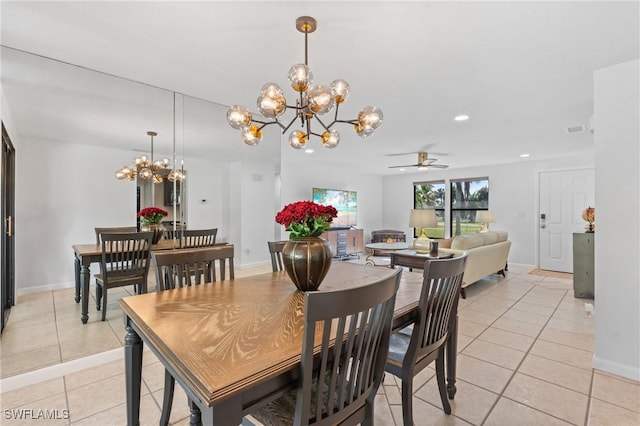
488,253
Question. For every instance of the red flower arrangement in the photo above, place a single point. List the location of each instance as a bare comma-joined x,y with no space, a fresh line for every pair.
306,218
151,215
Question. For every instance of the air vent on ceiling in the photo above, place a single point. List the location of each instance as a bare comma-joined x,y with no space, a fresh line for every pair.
575,129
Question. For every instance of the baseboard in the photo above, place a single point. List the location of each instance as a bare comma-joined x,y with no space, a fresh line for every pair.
48,287
628,371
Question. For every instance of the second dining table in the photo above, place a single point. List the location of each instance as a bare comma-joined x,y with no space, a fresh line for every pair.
86,254
233,344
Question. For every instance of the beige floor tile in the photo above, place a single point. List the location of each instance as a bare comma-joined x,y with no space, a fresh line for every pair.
394,394
471,402
542,301
518,327
558,373
74,349
94,374
618,392
585,326
31,319
425,414
477,317
21,339
149,415
94,398
179,407
495,354
31,393
528,317
511,340
29,360
490,307
50,411
557,401
615,376
481,373
567,338
576,316
463,342
382,411
153,376
534,309
561,353
508,412
470,328
422,377
71,329
604,414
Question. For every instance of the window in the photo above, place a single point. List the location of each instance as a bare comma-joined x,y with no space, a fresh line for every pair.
430,195
468,196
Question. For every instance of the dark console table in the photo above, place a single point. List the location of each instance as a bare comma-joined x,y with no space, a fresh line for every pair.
411,259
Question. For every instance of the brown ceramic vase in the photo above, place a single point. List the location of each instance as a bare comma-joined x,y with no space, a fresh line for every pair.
307,261
156,228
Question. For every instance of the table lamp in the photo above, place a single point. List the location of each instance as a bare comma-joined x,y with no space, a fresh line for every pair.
422,219
485,217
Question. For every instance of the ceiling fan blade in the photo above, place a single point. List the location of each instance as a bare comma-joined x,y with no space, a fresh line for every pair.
438,166
409,165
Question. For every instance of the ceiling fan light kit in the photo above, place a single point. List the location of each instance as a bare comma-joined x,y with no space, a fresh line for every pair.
313,101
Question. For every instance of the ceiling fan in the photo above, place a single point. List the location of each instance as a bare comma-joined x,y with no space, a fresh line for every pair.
424,162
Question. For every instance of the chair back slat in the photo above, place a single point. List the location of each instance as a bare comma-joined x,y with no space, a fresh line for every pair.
351,328
172,234
438,301
184,267
192,238
113,230
275,250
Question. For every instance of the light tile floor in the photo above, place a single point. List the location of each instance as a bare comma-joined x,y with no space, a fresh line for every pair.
525,348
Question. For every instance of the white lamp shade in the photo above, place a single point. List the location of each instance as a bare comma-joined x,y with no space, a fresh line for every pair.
485,216
422,218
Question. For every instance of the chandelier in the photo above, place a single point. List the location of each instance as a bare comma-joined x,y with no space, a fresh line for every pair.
145,168
313,101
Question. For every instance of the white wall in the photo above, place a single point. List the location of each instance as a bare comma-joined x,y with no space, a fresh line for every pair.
513,190
617,243
301,176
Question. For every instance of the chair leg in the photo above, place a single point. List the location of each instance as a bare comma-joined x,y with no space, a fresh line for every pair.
369,412
167,401
104,303
98,296
407,400
442,386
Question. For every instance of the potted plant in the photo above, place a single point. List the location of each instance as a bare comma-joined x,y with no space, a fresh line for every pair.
307,256
150,220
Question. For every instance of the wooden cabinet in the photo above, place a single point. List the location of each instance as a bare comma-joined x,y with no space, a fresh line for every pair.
345,242
583,265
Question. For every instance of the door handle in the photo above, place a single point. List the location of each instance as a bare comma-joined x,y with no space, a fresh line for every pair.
9,226
543,220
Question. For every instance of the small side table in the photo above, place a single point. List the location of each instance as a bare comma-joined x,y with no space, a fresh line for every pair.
411,259
382,249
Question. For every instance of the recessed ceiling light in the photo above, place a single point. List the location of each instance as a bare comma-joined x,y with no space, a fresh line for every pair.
461,117
309,151
525,155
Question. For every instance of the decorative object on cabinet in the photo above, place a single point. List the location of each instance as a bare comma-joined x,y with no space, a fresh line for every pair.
589,216
313,101
388,236
421,219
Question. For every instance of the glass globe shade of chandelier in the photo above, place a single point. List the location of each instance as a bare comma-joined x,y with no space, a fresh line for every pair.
145,168
313,101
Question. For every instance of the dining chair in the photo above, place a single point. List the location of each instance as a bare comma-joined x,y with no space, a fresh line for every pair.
412,350
171,234
184,267
125,261
275,250
340,379
114,230
192,238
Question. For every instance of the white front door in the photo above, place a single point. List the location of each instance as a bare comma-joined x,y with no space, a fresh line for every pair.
563,196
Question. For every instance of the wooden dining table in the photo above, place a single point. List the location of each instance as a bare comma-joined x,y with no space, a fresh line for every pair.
234,344
86,254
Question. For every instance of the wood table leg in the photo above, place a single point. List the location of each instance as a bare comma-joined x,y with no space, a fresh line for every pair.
85,276
133,368
76,267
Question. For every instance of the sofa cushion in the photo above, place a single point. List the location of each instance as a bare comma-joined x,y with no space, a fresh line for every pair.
502,236
466,242
489,238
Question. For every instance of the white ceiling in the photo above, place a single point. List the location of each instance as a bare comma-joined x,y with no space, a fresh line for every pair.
523,71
